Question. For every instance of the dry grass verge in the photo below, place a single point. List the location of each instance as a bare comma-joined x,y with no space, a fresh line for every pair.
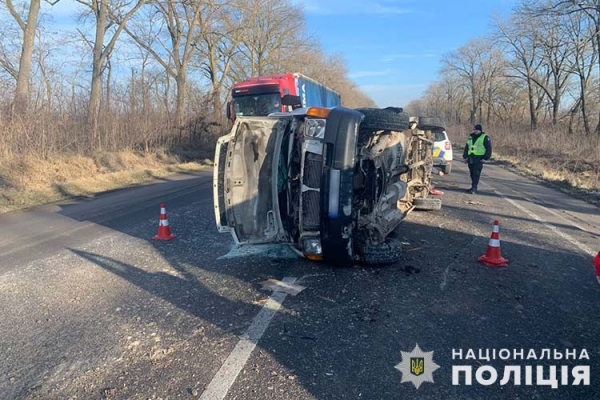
568,162
26,181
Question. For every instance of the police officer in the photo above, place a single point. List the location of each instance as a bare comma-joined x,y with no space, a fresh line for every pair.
477,149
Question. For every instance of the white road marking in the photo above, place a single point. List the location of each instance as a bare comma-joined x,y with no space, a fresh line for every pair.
548,225
221,383
551,211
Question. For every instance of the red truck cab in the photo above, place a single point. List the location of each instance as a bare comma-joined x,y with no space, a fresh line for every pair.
264,95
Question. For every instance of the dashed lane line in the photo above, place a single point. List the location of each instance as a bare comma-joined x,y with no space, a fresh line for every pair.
221,383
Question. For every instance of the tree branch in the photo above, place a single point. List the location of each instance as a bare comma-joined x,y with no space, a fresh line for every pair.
15,15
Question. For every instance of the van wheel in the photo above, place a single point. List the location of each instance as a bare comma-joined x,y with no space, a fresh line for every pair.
389,119
380,254
427,204
430,123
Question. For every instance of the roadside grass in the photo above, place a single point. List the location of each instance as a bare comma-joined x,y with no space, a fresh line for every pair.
26,181
570,162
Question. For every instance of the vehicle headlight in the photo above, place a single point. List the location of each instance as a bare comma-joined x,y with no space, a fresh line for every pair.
312,246
315,128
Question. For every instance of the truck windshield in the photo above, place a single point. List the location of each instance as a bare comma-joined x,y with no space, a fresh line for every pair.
257,105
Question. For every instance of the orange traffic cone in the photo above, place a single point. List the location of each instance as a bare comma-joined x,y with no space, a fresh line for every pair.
493,257
164,230
597,265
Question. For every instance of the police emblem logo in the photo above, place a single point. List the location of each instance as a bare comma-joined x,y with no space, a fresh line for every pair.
417,366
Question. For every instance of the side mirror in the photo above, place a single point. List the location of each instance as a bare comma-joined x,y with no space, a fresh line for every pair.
291,100
229,110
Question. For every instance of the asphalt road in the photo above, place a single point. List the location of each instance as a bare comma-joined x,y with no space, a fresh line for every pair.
91,308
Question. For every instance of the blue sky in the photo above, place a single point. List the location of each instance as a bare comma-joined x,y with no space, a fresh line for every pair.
393,48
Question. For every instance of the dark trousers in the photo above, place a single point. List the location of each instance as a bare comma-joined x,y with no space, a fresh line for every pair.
475,170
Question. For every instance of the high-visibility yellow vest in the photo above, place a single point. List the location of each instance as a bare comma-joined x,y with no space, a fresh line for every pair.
477,148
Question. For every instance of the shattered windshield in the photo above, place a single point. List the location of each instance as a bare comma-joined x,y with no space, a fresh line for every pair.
257,105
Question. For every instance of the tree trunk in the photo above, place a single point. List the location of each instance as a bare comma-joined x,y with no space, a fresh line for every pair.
108,86
532,109
584,115
473,107
21,99
96,86
94,107
489,107
572,114
144,89
180,80
556,100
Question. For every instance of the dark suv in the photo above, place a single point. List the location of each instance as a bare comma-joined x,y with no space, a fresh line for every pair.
332,183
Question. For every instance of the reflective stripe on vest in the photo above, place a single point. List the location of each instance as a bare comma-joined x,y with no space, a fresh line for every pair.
477,148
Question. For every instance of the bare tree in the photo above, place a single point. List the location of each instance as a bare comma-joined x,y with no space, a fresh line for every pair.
521,36
218,43
554,8
582,61
179,22
272,29
44,52
589,9
472,62
10,47
555,54
107,15
21,98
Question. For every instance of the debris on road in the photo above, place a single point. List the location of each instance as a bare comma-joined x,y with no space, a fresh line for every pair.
436,192
413,249
279,286
410,270
108,393
474,203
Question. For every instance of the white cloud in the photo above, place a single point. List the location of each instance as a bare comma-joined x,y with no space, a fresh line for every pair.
382,9
352,7
368,74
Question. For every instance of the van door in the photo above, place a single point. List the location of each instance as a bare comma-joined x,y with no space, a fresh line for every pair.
245,180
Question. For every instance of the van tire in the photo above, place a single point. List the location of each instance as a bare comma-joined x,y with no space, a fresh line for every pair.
380,254
430,123
389,119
